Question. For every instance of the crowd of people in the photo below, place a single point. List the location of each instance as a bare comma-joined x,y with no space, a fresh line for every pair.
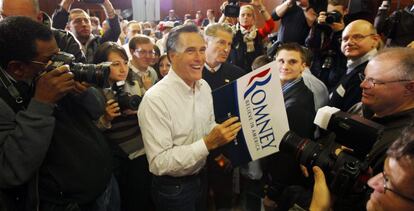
108,115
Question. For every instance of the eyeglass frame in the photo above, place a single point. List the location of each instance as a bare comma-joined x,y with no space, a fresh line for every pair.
144,52
372,82
355,37
385,180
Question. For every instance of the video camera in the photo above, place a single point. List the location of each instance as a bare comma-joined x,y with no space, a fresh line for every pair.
346,170
91,73
124,99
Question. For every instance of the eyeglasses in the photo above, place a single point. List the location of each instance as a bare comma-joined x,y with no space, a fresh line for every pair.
384,176
372,82
141,53
354,37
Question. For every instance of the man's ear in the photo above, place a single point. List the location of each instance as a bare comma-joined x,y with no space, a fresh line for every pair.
40,17
16,70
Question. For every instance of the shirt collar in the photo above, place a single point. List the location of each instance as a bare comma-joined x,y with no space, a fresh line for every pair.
137,71
352,64
172,76
213,70
288,85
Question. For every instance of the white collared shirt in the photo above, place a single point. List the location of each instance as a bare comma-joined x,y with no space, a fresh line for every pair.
174,118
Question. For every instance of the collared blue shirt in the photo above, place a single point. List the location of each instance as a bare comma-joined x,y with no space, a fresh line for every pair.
288,85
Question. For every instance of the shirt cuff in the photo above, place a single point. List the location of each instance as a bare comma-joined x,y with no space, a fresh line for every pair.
44,109
200,148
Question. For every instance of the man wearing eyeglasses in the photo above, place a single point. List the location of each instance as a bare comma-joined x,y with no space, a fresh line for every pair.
52,157
359,43
393,188
142,51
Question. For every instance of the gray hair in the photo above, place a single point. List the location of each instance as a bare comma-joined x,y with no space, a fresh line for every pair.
211,29
174,36
404,61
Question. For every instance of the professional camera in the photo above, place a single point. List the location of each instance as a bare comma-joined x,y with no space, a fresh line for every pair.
91,73
124,99
344,165
333,17
232,9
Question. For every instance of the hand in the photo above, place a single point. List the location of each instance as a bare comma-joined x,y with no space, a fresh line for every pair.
257,3
268,204
111,110
53,85
222,133
322,17
66,4
225,3
80,87
411,45
321,198
110,11
147,82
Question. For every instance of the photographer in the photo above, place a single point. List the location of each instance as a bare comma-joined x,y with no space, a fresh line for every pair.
52,155
296,19
122,131
392,188
398,27
329,63
79,23
247,40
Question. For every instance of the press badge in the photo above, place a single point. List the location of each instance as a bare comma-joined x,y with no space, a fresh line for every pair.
340,90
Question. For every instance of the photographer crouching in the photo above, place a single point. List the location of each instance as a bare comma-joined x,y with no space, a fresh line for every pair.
52,155
329,63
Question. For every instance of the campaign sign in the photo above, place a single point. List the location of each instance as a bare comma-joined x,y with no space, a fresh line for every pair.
257,99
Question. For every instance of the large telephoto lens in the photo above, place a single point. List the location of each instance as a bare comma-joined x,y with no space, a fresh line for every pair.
92,73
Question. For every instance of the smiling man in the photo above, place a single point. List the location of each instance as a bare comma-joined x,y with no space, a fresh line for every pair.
359,45
178,126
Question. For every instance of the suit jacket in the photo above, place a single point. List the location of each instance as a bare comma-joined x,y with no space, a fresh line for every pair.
300,110
347,93
227,73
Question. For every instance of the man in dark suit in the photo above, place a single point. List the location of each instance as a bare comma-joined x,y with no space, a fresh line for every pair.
282,168
359,43
217,72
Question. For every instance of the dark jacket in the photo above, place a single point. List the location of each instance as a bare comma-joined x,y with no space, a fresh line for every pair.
300,110
60,19
69,44
398,26
227,73
55,149
347,93
328,62
239,55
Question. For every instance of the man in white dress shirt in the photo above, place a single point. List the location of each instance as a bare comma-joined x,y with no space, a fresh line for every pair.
178,126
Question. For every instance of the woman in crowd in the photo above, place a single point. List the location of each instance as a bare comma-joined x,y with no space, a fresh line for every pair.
122,130
163,66
247,40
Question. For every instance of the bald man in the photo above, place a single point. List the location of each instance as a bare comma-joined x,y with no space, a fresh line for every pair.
359,42
30,8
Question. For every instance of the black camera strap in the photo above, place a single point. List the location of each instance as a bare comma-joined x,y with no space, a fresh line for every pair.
11,89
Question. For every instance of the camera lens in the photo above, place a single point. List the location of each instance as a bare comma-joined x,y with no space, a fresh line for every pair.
305,150
95,74
126,101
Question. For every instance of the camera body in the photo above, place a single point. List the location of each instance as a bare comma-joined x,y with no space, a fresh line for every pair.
333,17
232,9
347,170
96,74
124,99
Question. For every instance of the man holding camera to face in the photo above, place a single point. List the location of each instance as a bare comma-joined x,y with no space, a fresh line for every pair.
328,64
52,155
